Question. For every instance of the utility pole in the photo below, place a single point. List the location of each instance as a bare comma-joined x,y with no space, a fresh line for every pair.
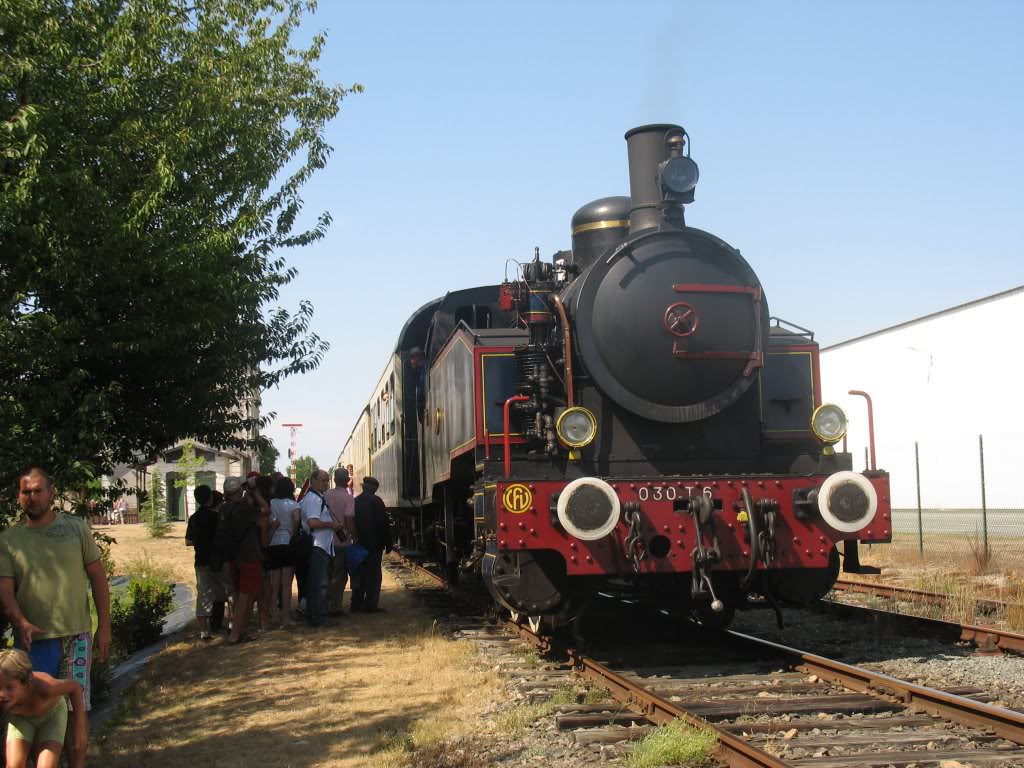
293,453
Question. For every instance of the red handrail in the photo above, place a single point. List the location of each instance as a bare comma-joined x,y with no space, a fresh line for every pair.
508,428
871,425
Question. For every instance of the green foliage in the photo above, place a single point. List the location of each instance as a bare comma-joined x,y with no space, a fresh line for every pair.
187,466
137,616
152,158
105,543
268,457
154,513
677,743
304,467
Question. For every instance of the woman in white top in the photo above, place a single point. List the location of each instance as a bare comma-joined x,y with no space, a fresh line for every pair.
285,510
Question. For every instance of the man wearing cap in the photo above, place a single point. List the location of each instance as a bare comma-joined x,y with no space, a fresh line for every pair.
248,533
374,533
342,506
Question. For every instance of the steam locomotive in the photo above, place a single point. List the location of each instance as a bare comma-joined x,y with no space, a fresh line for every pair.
625,415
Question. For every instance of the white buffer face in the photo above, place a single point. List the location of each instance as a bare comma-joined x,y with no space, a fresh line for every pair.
588,508
847,501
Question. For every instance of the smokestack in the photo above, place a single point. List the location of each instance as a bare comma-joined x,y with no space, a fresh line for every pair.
649,146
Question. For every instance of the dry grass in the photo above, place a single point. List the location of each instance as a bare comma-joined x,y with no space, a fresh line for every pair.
1015,613
516,720
948,553
955,566
379,691
134,544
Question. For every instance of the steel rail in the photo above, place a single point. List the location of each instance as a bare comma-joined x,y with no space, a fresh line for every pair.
895,592
988,639
419,568
1006,723
732,749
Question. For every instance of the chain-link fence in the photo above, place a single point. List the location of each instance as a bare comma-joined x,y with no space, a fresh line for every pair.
957,502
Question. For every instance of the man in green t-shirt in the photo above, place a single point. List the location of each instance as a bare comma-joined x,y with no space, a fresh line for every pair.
48,561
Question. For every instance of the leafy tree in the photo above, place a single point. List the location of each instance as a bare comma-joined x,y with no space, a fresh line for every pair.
185,469
268,454
154,512
304,467
152,156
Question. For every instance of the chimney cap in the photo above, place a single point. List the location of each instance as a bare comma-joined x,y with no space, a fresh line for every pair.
660,127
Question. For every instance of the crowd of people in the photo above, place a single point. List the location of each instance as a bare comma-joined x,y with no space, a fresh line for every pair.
252,540
256,538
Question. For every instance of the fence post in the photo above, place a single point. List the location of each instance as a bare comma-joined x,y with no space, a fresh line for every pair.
984,505
920,528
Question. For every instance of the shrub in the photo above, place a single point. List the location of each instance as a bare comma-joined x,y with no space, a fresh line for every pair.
145,567
101,680
155,512
106,546
137,615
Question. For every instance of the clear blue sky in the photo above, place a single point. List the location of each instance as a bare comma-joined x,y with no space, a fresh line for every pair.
866,157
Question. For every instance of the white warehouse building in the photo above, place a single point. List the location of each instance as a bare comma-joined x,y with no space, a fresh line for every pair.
941,381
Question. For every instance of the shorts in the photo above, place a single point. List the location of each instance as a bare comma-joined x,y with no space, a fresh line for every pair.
279,556
67,657
209,591
247,576
40,729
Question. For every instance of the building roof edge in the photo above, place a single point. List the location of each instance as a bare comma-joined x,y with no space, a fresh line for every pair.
931,316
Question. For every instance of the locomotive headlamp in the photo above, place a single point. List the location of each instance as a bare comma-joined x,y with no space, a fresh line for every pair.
678,174
576,427
828,423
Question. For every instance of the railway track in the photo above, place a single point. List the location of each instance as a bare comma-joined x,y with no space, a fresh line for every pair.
770,705
894,592
988,639
776,706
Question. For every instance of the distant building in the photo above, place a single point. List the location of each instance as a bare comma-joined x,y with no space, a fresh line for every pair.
220,463
940,380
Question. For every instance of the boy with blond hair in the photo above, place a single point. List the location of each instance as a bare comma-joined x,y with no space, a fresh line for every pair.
37,714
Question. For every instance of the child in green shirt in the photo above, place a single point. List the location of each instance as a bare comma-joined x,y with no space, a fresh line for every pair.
37,711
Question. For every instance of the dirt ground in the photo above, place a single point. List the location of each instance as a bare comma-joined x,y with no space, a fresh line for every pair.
170,553
343,696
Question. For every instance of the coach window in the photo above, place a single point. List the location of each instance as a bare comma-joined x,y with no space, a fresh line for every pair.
380,425
391,404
